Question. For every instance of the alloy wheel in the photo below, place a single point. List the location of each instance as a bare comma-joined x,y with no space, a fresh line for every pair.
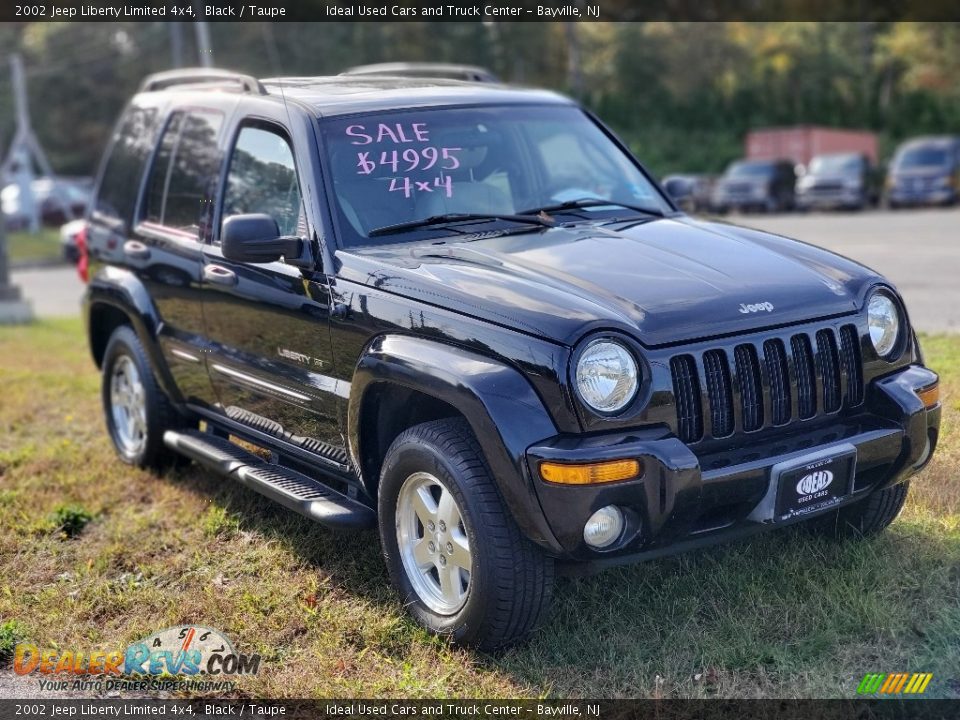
433,543
128,406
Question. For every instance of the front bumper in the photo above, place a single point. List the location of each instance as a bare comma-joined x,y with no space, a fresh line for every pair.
683,500
830,198
939,196
740,200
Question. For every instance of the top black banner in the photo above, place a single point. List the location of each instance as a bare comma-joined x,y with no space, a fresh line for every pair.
480,11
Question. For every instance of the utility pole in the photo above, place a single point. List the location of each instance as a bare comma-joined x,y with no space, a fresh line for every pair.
574,63
176,44
270,41
204,46
13,308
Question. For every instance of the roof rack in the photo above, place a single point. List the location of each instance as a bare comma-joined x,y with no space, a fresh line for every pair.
447,71
191,76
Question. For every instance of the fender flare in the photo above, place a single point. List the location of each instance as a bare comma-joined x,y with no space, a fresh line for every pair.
122,290
500,405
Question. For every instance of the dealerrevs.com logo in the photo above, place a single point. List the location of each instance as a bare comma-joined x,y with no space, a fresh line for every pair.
201,655
894,683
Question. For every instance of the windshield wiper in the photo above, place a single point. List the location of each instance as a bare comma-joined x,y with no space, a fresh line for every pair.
592,202
458,217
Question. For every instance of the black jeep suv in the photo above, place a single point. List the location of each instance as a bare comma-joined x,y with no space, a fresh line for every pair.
467,315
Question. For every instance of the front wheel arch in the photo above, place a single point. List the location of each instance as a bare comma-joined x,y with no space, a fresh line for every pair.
499,404
387,410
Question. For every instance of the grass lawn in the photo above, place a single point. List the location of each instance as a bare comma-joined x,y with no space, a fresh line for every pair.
26,247
784,614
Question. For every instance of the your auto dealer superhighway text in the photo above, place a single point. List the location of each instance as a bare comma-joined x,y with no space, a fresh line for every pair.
141,709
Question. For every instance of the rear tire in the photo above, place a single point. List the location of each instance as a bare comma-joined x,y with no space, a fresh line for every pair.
136,410
436,471
867,517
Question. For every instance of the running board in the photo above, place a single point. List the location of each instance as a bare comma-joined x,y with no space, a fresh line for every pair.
287,487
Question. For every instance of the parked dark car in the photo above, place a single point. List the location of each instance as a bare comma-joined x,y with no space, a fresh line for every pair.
839,181
759,185
465,314
59,201
690,193
925,171
447,71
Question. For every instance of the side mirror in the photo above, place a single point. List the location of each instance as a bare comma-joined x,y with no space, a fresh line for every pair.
255,238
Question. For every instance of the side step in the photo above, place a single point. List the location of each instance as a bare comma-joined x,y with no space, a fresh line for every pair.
291,489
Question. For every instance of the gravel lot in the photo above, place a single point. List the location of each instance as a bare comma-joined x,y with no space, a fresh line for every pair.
918,249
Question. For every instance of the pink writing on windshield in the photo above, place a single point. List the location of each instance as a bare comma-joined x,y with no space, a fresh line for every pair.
404,166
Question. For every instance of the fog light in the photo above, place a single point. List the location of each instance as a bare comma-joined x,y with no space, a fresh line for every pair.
604,527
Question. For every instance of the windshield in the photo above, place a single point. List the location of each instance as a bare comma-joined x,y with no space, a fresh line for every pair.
750,169
403,167
921,157
835,164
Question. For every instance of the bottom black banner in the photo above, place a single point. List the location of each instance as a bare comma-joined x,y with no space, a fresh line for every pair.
859,709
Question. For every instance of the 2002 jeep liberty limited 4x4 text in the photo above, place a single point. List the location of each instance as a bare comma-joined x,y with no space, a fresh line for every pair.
465,314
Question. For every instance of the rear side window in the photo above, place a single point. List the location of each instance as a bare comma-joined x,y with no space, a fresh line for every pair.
183,179
160,175
120,181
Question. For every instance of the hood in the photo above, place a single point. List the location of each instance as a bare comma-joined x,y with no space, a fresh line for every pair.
663,281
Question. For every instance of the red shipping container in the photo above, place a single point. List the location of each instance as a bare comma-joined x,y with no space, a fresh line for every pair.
803,142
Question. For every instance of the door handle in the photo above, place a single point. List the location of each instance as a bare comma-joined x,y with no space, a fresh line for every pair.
219,275
136,249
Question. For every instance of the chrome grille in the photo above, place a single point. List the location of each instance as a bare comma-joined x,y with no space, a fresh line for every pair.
751,389
717,372
686,389
778,373
852,366
771,383
829,362
806,376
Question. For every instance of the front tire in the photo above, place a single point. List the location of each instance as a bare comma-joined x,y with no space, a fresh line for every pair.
453,551
136,410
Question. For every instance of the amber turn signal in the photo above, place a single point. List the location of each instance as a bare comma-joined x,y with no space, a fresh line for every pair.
930,396
589,474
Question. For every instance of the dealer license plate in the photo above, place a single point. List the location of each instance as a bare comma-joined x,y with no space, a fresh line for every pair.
813,485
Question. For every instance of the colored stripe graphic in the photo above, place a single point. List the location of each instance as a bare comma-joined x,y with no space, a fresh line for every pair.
894,683
870,683
889,683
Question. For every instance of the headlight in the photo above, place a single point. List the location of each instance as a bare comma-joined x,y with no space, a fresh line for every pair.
607,376
852,183
883,321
